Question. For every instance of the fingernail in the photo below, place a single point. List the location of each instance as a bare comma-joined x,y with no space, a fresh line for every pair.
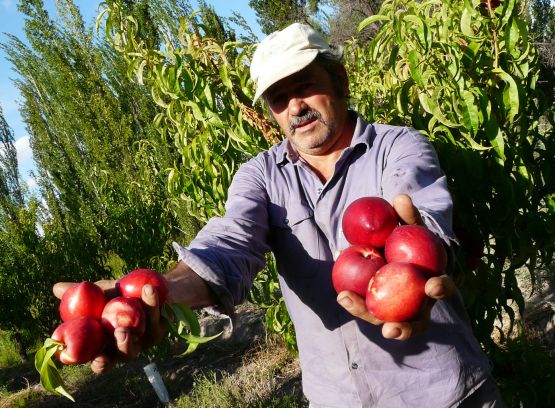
148,290
345,301
121,335
393,333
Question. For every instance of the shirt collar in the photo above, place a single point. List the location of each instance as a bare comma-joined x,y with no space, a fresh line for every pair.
363,133
286,153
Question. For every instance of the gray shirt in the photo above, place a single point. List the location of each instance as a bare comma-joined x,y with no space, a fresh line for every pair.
277,203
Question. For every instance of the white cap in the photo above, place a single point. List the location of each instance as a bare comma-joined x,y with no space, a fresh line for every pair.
284,53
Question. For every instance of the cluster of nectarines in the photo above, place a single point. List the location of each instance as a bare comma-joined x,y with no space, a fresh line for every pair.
89,319
387,263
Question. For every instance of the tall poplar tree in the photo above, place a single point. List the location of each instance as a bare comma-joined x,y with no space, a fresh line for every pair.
91,134
11,194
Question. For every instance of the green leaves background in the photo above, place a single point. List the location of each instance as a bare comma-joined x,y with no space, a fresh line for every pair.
466,76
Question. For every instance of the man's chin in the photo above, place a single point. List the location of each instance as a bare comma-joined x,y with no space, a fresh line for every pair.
313,149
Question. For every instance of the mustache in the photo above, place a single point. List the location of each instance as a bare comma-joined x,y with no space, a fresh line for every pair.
308,115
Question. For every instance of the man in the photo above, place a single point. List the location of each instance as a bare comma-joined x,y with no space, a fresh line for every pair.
289,200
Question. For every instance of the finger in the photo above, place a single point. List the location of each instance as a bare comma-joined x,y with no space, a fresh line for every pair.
60,288
108,286
403,330
102,364
406,330
356,306
150,300
440,287
156,327
127,345
406,210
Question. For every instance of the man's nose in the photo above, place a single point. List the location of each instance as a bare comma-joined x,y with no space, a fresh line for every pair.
297,106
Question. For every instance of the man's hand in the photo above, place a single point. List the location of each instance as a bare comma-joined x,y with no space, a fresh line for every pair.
407,212
437,287
128,345
184,287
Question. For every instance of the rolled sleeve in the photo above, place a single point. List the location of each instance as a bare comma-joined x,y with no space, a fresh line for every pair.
229,251
413,168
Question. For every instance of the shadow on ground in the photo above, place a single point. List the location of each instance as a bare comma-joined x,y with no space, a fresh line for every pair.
127,386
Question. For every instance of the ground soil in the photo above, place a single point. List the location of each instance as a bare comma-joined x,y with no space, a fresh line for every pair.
127,386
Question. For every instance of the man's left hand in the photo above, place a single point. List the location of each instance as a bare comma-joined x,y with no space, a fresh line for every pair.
437,288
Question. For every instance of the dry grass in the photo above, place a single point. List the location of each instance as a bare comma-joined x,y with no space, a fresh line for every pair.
248,369
267,377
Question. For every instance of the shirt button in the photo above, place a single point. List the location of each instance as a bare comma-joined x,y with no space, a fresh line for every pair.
354,366
286,221
319,191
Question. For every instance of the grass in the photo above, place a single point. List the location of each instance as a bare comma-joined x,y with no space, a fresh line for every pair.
8,352
247,370
263,380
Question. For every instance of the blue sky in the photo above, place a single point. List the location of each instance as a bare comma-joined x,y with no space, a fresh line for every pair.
11,21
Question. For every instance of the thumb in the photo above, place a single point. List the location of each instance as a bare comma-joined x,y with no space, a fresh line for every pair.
406,210
60,288
356,306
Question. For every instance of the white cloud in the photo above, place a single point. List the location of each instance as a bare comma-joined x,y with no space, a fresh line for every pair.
24,152
25,160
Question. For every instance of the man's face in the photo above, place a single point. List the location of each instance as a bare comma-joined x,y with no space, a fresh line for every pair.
307,107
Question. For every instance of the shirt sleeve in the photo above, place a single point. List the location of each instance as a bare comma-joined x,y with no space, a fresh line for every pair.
230,250
412,167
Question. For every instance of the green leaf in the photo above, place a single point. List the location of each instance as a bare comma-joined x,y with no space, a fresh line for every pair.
511,36
495,136
470,111
510,93
466,22
183,323
50,377
139,72
403,104
420,28
415,70
195,109
370,20
430,104
155,93
198,339
224,75
508,7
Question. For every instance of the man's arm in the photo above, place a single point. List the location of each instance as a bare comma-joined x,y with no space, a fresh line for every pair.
225,256
186,287
413,169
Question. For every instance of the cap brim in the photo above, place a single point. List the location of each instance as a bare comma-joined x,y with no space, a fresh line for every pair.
282,68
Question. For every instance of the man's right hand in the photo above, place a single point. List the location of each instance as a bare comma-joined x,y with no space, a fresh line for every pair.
128,345
184,287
